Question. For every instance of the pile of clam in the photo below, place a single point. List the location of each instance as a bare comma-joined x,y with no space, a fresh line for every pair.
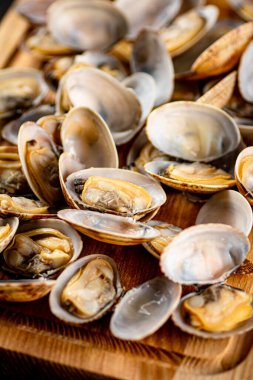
173,82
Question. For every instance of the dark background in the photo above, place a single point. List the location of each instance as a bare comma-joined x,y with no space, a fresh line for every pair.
4,5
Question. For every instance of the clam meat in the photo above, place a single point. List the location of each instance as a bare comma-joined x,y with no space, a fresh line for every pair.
21,205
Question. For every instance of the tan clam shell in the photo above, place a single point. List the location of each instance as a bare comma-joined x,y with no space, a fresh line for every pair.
156,167
34,10
52,125
227,207
143,310
213,133
245,191
13,223
151,186
243,8
30,132
108,228
180,322
24,290
204,254
246,129
223,54
121,110
86,136
245,74
150,56
64,16
54,299
147,13
220,94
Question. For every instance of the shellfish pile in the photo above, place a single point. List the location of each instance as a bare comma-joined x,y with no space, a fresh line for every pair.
170,88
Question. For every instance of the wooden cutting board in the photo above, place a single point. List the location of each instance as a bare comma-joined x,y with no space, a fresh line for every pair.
35,344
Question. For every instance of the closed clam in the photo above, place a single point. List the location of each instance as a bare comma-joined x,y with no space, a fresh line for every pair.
108,228
116,191
204,254
227,207
244,174
194,177
39,159
41,248
64,16
217,312
193,132
86,290
143,310
81,87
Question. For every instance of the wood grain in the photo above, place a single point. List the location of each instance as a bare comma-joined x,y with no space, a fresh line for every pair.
33,342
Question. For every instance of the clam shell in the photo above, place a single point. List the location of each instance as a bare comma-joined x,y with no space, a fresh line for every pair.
147,13
143,310
245,189
227,207
243,8
35,10
121,110
156,168
150,56
13,223
151,186
24,290
213,133
246,129
86,136
112,229
75,24
54,299
218,58
245,74
180,322
204,254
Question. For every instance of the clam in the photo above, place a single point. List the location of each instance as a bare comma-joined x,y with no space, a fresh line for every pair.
34,10
227,207
121,110
86,290
245,74
223,54
75,24
246,129
217,312
150,56
11,129
220,94
8,228
86,136
52,125
39,159
244,8
20,89
244,174
204,254
112,229
167,232
23,208
143,310
42,247
194,177
24,290
147,13
187,29
116,191
12,179
193,132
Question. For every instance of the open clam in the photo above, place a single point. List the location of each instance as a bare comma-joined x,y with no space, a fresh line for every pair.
193,132
227,207
204,254
86,136
150,56
42,247
108,228
86,290
39,159
8,228
75,24
116,191
244,174
217,312
20,89
194,177
143,310
81,87
245,74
